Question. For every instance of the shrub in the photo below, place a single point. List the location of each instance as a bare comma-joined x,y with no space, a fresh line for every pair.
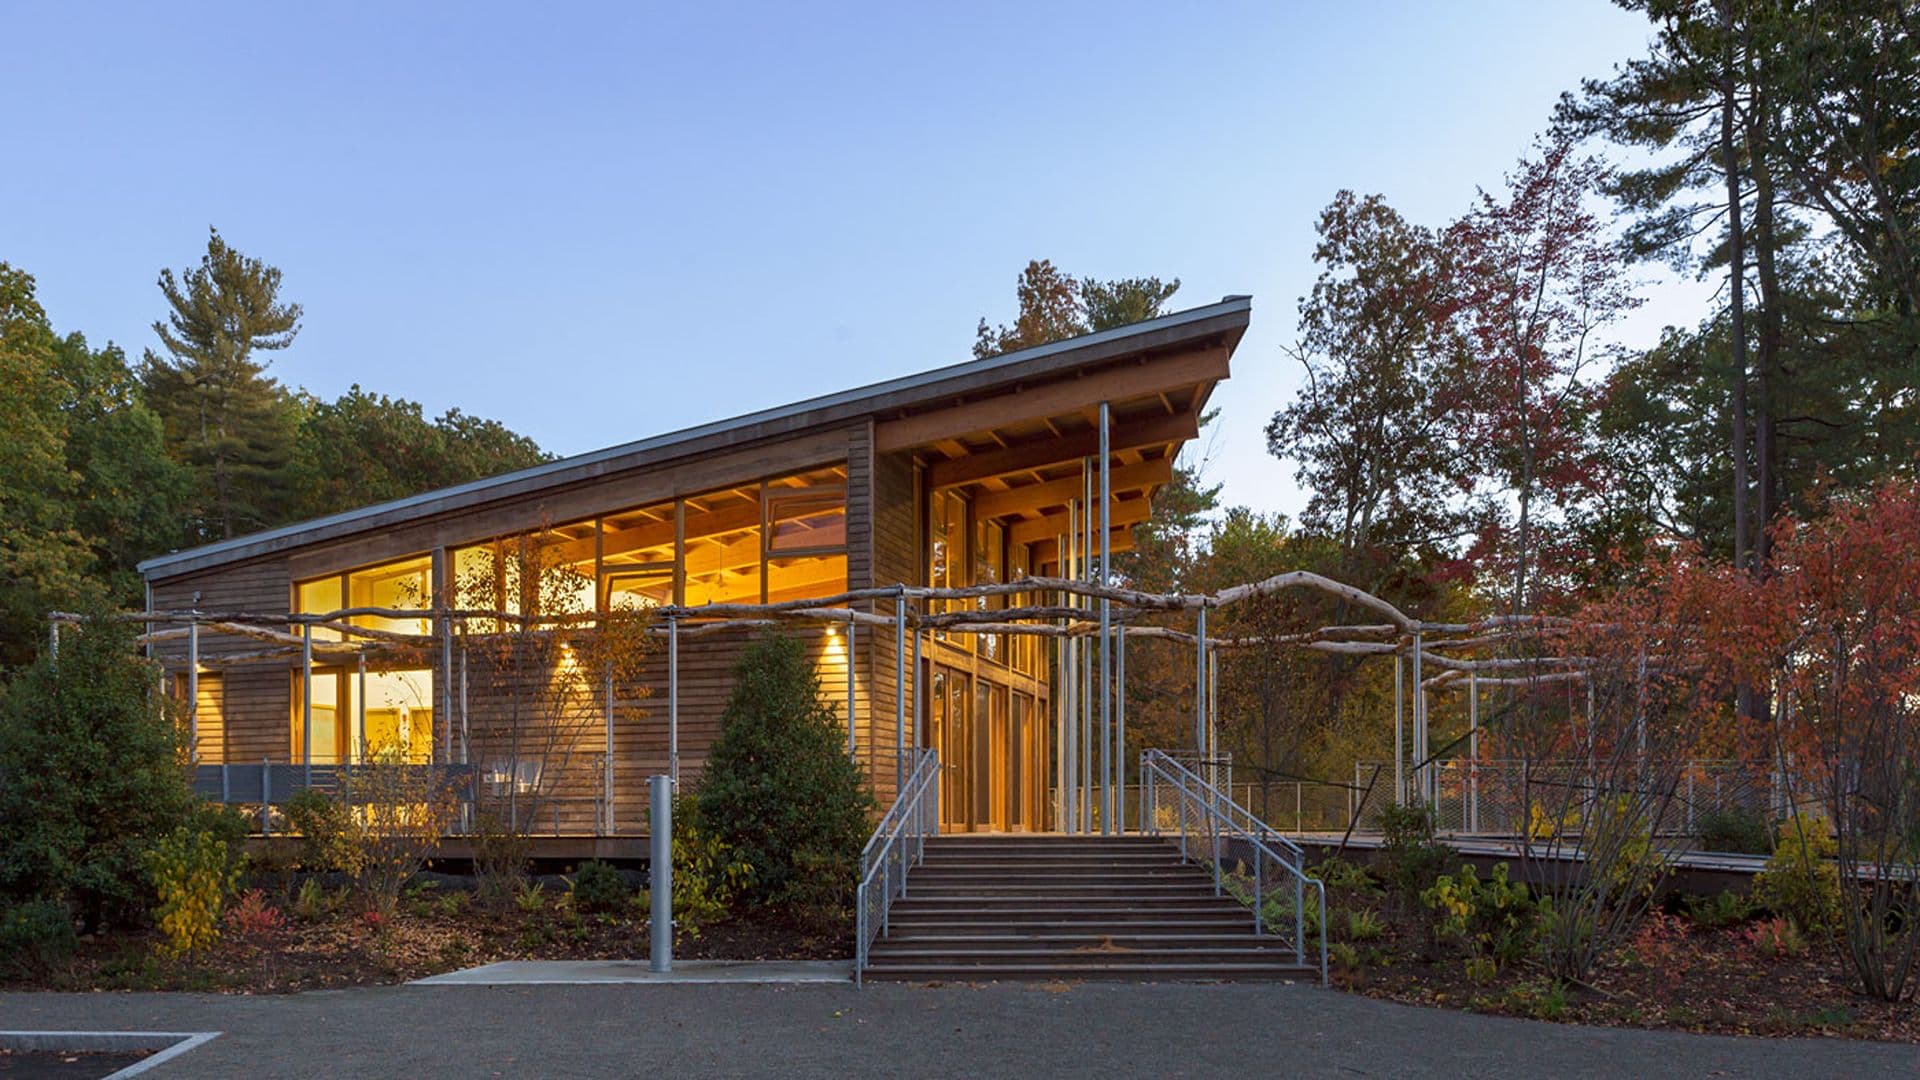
329,839
597,886
1734,829
1496,921
34,936
1800,879
1777,937
92,775
1723,909
780,792
251,916
1339,874
1364,925
1410,860
708,876
193,871
380,828
314,902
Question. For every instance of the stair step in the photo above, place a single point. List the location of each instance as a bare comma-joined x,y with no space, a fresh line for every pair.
1096,970
948,927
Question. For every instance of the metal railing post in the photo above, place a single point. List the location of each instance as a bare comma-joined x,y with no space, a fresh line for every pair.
673,698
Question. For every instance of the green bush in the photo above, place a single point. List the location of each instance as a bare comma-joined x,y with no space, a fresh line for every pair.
780,792
1496,921
1800,879
328,836
34,936
1723,909
92,776
1410,860
708,877
597,886
1736,830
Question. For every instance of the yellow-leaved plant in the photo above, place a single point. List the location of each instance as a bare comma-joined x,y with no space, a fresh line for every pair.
193,871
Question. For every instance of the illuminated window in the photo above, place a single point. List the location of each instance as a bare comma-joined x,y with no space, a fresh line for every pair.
989,551
405,585
947,552
638,561
722,556
319,598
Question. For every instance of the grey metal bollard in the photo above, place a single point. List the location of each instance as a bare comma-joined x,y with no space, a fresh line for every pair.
661,826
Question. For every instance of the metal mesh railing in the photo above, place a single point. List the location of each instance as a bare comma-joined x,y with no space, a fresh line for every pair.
897,846
1503,797
1248,859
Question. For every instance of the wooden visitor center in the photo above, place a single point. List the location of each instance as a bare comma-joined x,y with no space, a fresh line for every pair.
984,471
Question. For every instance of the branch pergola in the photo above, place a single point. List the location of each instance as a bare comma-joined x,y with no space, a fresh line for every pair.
1086,618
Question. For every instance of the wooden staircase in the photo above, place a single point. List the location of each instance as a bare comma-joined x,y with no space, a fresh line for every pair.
1071,907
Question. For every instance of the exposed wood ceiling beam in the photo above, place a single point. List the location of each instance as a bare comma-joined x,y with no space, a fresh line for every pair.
1046,553
1024,500
1025,457
1148,378
1127,512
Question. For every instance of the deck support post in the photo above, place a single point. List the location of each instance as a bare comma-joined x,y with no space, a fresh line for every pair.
673,699
1089,798
660,871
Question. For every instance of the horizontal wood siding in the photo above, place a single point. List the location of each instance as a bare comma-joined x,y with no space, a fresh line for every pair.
256,698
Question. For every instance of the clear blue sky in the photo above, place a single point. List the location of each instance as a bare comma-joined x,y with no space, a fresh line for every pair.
598,222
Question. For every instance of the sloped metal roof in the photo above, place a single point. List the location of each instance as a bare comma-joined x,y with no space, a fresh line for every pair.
1230,314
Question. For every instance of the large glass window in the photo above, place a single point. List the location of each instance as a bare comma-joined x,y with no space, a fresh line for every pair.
398,715
405,585
723,557
638,561
989,554
947,553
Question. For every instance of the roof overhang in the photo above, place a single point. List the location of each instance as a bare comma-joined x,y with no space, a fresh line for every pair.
895,400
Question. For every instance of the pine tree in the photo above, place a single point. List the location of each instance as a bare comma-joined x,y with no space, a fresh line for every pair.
224,418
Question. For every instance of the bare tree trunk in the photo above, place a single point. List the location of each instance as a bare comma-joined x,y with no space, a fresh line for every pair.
1736,283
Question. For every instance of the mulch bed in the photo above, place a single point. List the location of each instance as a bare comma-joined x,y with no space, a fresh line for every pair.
1673,975
428,936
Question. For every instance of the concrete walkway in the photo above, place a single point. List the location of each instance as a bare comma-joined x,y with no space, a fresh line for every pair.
637,972
827,1030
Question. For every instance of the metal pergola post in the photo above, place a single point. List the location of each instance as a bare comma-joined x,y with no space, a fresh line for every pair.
853,749
1399,731
193,688
306,699
1473,750
1419,726
1200,680
360,703
1120,719
606,797
900,691
673,699
1106,625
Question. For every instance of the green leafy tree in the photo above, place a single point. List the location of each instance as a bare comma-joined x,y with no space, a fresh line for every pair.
229,423
365,448
1054,306
47,559
92,775
779,791
1368,433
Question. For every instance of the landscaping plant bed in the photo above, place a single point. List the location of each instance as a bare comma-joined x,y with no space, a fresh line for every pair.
323,943
1758,976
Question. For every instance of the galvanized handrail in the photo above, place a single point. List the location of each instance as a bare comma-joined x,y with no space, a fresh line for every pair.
1220,823
897,845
